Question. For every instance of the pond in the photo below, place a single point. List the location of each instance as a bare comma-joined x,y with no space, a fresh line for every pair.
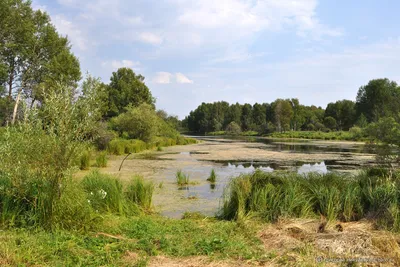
230,157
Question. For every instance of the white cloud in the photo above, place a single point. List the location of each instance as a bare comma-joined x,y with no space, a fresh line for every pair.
66,27
181,78
116,64
162,78
150,38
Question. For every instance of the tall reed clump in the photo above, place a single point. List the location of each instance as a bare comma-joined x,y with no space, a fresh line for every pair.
337,197
104,192
101,160
181,178
140,193
213,177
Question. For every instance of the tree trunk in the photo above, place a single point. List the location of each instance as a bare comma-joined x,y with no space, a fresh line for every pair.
10,82
16,106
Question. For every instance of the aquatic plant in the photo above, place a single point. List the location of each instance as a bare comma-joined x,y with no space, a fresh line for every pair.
213,176
181,178
337,197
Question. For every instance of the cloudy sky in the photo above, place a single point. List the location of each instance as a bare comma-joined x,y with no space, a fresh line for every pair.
194,51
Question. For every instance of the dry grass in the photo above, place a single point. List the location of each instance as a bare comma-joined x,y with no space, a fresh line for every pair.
297,242
161,261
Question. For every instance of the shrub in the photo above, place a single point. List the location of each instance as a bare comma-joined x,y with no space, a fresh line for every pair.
233,128
101,160
140,192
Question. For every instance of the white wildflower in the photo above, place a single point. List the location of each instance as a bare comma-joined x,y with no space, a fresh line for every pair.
102,193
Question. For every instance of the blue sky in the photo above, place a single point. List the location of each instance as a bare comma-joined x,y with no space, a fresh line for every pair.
194,51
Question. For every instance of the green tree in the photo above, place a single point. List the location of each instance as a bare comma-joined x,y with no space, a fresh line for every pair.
33,53
343,112
283,114
126,88
330,123
233,128
379,98
246,118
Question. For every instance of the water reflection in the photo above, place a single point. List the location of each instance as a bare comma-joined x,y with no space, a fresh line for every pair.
317,168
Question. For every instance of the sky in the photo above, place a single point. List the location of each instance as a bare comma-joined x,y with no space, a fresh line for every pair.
246,51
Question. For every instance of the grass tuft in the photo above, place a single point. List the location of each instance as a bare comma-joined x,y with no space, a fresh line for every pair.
181,178
213,176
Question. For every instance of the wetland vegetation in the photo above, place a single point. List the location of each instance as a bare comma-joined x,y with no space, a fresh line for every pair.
71,194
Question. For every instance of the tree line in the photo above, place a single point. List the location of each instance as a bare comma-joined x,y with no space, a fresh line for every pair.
380,98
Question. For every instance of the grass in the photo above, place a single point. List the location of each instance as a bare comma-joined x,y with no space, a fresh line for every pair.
271,196
247,133
121,146
85,160
181,178
354,134
101,160
144,236
140,192
213,177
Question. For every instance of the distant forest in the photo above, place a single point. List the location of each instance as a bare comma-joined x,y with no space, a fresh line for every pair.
380,98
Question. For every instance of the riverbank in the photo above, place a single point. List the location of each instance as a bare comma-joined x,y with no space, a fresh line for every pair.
354,134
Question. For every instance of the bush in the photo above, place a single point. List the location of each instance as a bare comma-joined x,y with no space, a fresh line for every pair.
233,128
101,160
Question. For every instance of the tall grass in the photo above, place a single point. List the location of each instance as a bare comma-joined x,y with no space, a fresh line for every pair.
85,160
140,192
101,160
181,178
121,146
337,197
105,192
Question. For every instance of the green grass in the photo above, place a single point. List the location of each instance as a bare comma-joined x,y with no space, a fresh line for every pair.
213,177
85,160
181,178
140,192
121,146
338,197
101,160
352,135
144,235
247,133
